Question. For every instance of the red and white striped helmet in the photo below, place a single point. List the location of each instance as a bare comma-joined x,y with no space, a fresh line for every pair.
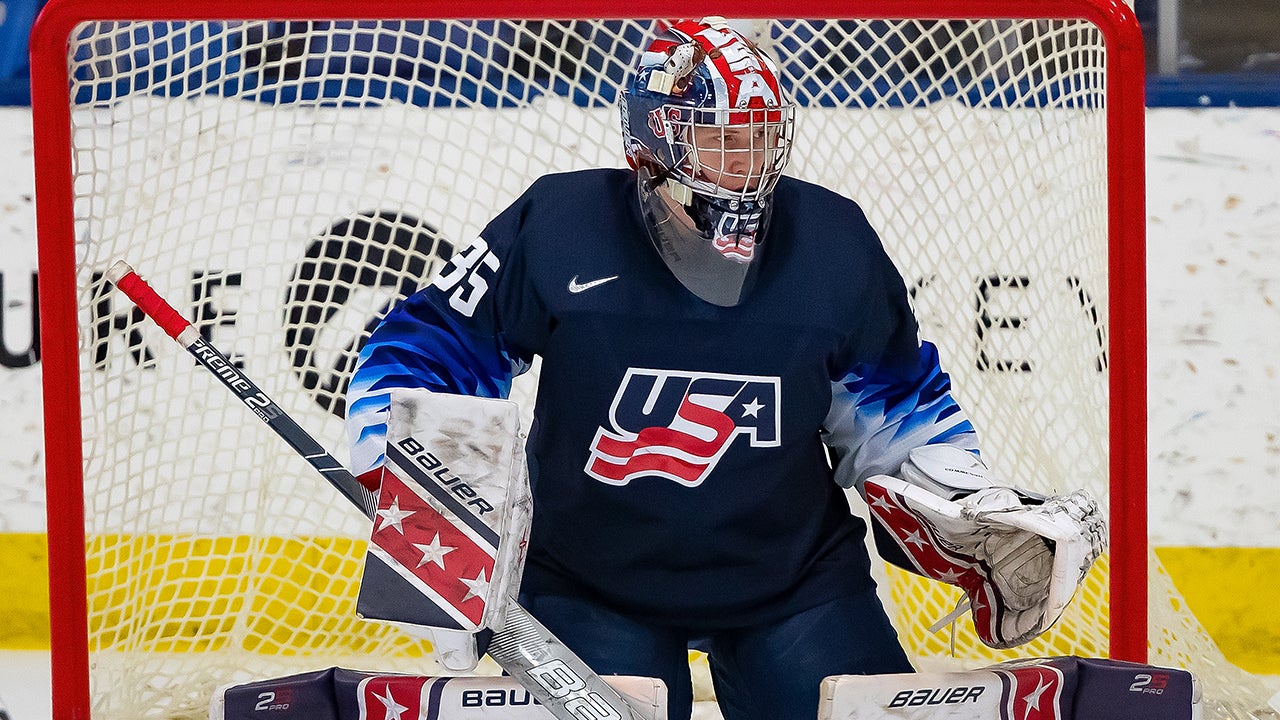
706,108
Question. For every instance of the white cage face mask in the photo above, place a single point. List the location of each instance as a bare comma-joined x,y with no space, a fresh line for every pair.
739,160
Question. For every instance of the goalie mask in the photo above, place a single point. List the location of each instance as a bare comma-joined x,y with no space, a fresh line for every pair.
708,129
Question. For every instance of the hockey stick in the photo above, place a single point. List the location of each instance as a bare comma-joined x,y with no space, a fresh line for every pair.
551,672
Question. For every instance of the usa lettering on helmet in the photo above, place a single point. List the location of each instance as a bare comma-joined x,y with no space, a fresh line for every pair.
742,68
751,86
702,73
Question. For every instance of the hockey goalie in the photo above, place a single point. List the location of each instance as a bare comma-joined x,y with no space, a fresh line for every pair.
711,334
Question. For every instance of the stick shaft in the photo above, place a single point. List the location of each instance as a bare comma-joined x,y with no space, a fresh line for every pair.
551,672
178,328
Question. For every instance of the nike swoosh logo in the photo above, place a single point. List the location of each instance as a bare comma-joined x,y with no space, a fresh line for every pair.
577,287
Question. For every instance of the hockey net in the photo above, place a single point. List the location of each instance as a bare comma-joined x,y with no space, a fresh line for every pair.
284,177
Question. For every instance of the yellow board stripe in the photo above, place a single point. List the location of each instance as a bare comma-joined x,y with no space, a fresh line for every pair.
1231,591
301,595
266,595
24,591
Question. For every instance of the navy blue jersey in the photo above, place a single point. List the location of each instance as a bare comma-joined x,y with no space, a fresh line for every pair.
679,451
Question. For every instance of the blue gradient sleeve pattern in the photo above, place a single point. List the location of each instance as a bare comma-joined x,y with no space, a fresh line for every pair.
422,343
879,414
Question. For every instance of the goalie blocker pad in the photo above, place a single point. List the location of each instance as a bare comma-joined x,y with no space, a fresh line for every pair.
447,546
1062,688
341,694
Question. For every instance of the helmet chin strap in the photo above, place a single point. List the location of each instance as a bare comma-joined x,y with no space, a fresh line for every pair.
679,192
664,178
731,225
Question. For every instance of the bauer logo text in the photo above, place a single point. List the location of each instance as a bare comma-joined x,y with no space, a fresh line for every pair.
443,475
937,696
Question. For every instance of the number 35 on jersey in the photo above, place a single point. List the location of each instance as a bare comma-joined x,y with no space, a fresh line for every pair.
464,278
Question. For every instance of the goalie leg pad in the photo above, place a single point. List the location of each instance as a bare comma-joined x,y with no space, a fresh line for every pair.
1063,688
341,694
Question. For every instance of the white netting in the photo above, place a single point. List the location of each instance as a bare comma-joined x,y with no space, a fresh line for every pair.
282,182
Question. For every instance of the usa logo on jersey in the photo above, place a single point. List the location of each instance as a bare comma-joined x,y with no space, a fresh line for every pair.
678,425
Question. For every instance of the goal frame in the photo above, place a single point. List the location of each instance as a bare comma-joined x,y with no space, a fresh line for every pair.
1126,260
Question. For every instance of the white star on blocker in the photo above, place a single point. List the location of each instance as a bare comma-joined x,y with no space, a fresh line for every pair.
433,552
475,588
393,515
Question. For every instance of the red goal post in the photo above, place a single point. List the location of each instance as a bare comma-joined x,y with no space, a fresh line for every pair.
75,209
